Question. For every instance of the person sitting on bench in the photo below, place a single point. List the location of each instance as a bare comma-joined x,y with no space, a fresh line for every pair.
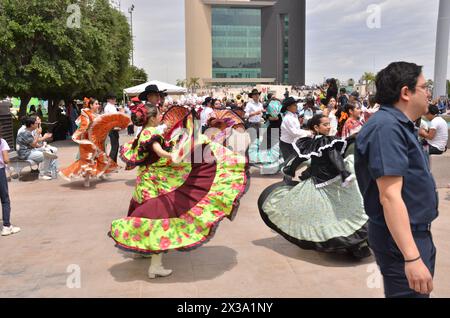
29,147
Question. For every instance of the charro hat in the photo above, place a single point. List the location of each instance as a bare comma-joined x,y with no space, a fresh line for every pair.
288,102
148,90
254,92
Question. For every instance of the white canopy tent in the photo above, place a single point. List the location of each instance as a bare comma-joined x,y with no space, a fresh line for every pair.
171,89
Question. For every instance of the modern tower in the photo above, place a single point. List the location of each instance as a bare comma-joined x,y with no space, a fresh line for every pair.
245,41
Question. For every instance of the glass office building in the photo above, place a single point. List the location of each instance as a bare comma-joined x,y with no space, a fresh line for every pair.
236,42
285,27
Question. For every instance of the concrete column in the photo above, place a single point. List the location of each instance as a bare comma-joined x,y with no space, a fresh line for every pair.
198,40
442,50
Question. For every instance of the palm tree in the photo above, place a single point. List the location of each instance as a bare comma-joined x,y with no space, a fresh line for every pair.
194,83
368,78
181,83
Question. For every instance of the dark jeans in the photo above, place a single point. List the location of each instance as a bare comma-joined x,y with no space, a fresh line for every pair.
391,262
4,195
273,132
130,130
435,151
254,133
287,150
114,137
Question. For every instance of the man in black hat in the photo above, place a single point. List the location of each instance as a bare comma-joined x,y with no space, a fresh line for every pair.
111,108
290,127
290,131
254,112
152,94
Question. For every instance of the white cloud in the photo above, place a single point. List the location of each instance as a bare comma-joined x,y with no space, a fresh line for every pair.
336,37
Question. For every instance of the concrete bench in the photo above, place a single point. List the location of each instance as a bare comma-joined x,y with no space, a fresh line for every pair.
18,165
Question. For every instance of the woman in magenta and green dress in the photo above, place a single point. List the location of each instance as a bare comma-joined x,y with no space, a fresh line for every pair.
184,187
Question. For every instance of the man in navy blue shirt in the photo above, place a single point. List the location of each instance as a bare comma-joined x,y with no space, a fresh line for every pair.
394,177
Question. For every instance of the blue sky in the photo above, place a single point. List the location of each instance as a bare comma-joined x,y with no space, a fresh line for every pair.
339,42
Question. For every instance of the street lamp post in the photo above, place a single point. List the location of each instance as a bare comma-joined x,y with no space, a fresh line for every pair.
442,42
130,11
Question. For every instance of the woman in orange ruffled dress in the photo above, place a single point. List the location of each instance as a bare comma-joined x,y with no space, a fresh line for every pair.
93,129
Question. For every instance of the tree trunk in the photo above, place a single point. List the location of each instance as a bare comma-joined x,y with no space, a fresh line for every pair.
52,107
24,100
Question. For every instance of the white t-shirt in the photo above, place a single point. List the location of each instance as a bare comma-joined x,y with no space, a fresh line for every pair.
253,107
440,140
204,115
110,109
333,123
3,147
290,129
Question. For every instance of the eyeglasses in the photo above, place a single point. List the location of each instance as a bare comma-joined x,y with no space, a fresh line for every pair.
425,87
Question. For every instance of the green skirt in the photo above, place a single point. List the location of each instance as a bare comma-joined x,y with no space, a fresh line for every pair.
325,219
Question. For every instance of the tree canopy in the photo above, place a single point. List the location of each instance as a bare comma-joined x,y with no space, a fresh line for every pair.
63,49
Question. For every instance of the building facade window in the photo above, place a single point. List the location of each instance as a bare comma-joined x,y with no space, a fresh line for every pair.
236,42
285,37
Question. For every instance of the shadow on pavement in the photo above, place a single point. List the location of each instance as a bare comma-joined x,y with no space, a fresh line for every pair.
187,268
279,245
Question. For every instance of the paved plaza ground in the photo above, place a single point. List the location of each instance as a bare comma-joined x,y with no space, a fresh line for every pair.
64,224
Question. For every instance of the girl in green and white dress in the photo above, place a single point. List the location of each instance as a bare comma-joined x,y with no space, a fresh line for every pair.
325,211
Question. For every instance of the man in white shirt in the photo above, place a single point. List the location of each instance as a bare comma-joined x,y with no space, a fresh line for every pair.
290,128
254,113
206,113
110,108
290,132
437,134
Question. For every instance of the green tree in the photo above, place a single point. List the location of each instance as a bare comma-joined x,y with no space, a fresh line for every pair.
194,83
135,76
368,77
181,83
43,54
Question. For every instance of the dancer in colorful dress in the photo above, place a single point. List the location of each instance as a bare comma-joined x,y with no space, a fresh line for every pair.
176,205
93,130
228,129
325,211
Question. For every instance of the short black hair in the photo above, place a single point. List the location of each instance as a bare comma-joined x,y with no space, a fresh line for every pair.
393,78
343,90
29,121
348,108
372,100
433,110
315,121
